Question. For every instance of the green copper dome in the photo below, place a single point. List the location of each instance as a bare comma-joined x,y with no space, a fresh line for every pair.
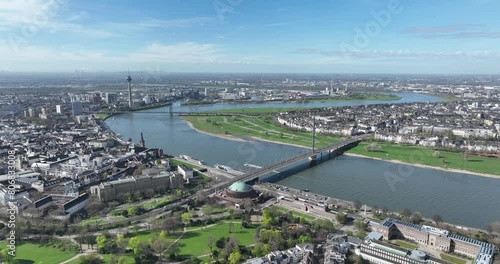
239,187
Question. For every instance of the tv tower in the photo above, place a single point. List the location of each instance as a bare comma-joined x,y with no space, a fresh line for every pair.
129,79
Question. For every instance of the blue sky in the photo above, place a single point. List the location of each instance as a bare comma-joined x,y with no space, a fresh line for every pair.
324,36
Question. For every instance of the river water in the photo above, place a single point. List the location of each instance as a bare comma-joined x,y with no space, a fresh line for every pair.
459,198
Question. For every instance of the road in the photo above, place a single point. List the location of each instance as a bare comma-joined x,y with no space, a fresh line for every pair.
211,171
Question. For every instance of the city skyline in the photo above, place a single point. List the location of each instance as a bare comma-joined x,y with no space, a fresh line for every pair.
250,36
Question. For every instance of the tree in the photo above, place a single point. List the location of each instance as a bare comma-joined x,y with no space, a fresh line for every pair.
133,243
159,243
90,259
235,257
341,218
416,218
436,154
494,228
186,218
101,242
215,255
6,257
357,204
121,242
230,247
105,175
117,260
359,225
230,211
144,254
268,217
304,239
406,213
437,219
211,242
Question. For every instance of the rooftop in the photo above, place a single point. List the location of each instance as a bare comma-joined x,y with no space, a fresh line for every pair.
240,187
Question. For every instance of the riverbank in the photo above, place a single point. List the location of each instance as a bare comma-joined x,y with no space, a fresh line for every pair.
425,166
263,129
228,137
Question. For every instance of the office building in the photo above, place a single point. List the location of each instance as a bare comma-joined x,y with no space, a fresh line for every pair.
77,108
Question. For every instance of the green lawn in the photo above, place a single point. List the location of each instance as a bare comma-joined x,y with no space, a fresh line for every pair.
422,155
39,254
194,243
452,259
101,116
177,162
256,127
146,236
404,244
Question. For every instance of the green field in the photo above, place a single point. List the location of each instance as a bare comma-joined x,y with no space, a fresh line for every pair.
452,259
146,236
101,116
194,243
423,155
256,127
39,254
177,162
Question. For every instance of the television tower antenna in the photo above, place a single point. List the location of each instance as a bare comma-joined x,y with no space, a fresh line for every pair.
129,79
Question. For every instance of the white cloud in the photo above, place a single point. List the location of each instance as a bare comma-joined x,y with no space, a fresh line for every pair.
16,13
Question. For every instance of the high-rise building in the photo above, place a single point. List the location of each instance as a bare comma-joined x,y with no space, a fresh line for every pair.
111,98
31,112
59,109
129,80
77,108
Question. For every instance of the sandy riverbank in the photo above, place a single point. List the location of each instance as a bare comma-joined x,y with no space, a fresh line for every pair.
427,166
228,137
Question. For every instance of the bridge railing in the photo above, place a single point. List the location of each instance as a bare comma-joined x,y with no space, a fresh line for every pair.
248,176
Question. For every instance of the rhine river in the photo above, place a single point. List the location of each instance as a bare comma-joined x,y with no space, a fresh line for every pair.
462,199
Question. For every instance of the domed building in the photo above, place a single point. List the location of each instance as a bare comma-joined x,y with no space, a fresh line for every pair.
241,190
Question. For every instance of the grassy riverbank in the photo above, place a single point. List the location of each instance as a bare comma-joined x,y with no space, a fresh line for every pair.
262,127
447,160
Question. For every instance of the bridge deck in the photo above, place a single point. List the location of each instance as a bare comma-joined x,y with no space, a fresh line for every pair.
255,174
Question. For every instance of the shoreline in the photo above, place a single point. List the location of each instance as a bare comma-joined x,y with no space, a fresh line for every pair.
241,139
427,166
228,137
